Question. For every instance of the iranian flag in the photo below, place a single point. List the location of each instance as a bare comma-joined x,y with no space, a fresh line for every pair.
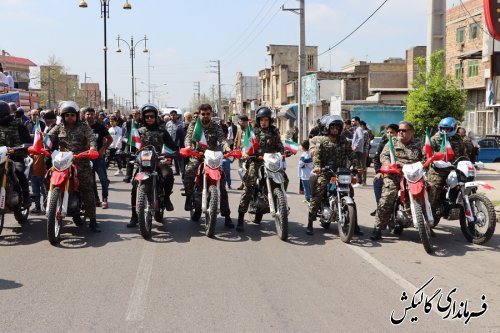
446,149
250,143
198,135
291,146
37,141
427,145
134,139
391,151
166,150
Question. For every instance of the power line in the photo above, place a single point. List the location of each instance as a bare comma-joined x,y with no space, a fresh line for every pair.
359,26
473,19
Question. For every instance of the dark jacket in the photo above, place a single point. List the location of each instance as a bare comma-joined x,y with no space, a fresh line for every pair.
376,159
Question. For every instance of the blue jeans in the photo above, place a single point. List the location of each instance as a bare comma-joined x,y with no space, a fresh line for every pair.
99,167
307,189
38,188
377,188
226,166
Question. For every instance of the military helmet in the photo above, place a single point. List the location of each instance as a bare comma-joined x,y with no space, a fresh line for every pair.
262,112
148,108
336,121
69,107
4,109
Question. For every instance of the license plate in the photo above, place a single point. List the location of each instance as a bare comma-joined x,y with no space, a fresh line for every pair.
146,163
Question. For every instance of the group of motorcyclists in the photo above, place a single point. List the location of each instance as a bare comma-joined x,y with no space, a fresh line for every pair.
330,149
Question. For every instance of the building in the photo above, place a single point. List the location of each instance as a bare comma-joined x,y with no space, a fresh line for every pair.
247,94
19,68
92,95
468,51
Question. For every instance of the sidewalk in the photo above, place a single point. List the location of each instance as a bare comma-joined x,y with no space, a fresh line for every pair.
492,177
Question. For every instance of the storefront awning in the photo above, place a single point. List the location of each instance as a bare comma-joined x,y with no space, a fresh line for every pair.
288,111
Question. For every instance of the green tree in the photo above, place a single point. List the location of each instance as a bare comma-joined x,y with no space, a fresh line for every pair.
435,96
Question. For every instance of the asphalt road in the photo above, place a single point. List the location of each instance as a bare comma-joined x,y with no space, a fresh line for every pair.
241,282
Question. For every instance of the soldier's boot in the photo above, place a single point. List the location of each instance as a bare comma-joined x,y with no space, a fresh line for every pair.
188,205
357,230
309,229
93,225
228,222
168,204
133,219
241,222
376,234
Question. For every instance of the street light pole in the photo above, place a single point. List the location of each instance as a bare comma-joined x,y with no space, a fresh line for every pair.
132,47
104,16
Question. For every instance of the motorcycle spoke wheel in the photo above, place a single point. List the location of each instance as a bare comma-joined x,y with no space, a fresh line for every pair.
423,227
482,229
211,213
54,219
144,214
347,221
281,217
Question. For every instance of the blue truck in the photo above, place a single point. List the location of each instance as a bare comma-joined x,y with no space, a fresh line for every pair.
489,149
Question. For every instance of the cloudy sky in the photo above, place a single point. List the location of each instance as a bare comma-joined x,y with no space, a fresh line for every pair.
183,36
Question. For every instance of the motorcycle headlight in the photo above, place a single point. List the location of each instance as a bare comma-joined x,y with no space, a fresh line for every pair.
145,158
413,172
273,161
344,179
62,160
213,159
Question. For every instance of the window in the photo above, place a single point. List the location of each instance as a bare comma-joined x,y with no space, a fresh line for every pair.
474,31
459,70
310,62
461,35
473,68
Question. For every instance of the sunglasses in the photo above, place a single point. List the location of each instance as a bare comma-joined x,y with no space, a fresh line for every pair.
203,114
404,130
150,116
70,115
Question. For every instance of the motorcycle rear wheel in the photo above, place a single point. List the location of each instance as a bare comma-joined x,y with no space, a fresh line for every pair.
144,215
54,222
485,211
211,213
346,228
423,228
281,217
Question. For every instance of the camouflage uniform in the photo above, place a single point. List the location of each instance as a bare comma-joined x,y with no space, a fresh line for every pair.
155,136
269,142
78,139
469,148
328,154
405,154
214,136
437,178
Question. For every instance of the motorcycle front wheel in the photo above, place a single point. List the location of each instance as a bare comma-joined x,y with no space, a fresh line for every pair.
144,214
348,217
211,213
281,217
54,218
480,231
423,228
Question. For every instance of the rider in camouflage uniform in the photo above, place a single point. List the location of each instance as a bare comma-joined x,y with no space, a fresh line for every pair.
13,134
156,135
436,177
406,151
215,137
269,139
333,151
76,136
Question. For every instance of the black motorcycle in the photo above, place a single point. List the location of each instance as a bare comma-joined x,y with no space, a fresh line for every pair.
151,173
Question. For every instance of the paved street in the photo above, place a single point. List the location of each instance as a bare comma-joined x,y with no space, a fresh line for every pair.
249,282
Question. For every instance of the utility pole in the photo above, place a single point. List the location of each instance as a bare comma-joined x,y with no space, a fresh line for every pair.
197,91
149,77
301,119
436,28
219,106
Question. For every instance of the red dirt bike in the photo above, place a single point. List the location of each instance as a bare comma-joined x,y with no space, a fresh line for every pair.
63,198
206,195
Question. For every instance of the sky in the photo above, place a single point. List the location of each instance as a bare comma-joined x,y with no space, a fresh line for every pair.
184,36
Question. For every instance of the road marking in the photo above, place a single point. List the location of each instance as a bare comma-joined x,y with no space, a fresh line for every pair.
137,301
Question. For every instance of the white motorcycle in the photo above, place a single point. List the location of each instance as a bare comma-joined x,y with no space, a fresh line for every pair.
476,212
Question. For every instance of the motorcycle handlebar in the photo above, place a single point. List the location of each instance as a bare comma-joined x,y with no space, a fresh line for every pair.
92,154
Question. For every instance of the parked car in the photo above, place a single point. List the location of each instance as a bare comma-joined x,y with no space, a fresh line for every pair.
373,149
489,149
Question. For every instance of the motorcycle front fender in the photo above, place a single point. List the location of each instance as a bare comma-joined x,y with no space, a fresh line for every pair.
348,200
276,177
59,177
416,189
142,176
213,174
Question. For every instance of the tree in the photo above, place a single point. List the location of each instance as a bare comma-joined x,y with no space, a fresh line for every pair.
435,96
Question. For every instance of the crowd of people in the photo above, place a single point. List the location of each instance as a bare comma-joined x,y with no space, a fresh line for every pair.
334,142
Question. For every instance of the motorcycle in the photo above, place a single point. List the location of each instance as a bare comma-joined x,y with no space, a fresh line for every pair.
11,196
338,205
269,193
412,207
152,170
206,195
476,212
63,198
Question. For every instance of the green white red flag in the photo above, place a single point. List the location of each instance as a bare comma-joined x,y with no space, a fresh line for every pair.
427,145
166,150
198,135
250,143
391,150
291,146
37,141
134,139
446,148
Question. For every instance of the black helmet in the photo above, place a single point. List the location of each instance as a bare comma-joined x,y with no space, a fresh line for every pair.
335,121
262,112
69,107
4,109
148,108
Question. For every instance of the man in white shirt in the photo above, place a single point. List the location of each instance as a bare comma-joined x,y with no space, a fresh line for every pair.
358,145
10,79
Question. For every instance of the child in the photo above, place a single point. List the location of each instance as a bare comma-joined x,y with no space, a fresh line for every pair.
305,168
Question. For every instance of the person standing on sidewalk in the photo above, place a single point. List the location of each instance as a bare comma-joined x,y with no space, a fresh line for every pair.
104,140
358,146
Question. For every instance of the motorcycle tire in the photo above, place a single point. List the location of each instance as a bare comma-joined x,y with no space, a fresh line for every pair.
53,222
423,228
470,231
2,220
281,217
346,228
211,213
144,215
